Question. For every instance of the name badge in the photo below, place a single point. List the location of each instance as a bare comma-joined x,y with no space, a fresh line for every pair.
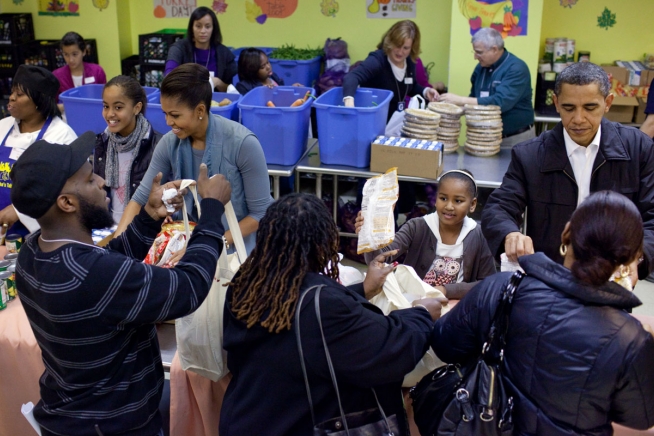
408,80
16,153
88,80
484,94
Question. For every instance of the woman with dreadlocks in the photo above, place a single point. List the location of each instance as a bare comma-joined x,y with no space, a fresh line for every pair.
296,250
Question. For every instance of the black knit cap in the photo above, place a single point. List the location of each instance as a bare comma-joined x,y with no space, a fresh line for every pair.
38,79
39,175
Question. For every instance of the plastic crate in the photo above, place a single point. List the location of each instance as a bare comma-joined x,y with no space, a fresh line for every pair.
282,130
83,106
344,133
130,67
151,76
153,47
303,72
16,28
157,118
56,55
35,53
9,59
266,50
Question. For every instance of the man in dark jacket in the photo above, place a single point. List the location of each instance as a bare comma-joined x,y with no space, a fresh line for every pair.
550,175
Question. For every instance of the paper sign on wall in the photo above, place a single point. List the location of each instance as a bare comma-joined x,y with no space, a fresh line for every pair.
508,17
391,8
174,8
58,7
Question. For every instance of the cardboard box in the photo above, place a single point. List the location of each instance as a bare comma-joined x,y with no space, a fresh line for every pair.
640,116
622,110
409,161
620,74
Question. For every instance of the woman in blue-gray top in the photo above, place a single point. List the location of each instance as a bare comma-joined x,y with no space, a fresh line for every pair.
197,137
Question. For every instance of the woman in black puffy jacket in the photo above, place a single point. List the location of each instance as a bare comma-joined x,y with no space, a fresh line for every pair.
575,360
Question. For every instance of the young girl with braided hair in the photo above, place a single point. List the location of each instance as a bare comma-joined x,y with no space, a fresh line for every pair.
296,250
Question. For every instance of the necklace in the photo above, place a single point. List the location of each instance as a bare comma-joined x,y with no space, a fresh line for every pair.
65,240
400,103
195,60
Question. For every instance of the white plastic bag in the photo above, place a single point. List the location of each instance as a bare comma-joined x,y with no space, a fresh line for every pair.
399,290
394,125
200,334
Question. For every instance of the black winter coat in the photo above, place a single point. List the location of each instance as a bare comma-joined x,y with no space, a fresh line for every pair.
182,53
574,359
376,72
267,395
139,165
540,178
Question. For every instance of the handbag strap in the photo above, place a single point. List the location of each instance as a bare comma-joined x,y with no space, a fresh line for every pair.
329,363
230,214
500,324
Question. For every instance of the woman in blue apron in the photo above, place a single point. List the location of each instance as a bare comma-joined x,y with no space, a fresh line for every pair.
34,116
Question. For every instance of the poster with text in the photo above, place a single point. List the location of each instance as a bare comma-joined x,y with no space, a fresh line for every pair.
58,7
391,8
174,8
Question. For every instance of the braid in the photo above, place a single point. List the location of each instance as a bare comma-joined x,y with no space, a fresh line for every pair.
296,236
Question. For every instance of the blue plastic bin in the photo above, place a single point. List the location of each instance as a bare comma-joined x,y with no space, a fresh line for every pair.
83,106
158,119
266,50
303,72
282,130
344,133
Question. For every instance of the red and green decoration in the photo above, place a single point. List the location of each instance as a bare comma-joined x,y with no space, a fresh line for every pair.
258,11
607,19
219,6
508,17
59,7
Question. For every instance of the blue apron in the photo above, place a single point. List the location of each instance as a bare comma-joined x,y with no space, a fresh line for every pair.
5,168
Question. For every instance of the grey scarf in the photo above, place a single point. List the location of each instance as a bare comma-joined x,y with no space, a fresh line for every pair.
119,144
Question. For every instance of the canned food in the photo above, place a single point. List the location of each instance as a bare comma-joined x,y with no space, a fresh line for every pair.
560,51
549,50
12,271
13,243
583,56
4,296
11,257
8,284
570,57
560,67
4,264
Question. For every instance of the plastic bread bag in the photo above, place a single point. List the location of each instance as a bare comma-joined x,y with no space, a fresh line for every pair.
379,197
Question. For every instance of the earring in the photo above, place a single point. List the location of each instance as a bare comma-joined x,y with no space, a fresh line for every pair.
563,250
621,277
200,117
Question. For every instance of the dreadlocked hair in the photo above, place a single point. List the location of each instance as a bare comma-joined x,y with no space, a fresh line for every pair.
296,236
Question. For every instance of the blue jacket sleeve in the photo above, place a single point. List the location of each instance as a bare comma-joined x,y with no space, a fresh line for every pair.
251,164
362,74
514,83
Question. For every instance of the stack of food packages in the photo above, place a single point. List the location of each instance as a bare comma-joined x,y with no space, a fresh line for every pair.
450,126
420,124
484,129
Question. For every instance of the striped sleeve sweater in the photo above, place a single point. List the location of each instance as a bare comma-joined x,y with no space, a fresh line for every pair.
93,311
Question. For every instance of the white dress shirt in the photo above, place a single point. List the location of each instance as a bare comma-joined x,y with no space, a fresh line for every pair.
582,159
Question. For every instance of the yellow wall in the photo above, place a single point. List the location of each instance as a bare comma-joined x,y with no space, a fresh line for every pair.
308,27
91,23
628,39
462,61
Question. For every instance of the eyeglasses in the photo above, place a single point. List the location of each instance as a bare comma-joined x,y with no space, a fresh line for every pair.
479,52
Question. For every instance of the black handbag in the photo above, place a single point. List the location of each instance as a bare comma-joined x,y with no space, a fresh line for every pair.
371,422
454,401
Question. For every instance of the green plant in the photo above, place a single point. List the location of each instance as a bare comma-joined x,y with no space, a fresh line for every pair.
290,52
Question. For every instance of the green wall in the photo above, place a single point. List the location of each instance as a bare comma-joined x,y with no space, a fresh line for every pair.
628,39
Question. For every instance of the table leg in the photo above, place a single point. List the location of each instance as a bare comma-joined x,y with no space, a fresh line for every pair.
297,181
319,185
275,187
335,199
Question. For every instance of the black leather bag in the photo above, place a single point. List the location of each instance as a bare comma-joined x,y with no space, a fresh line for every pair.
470,401
371,422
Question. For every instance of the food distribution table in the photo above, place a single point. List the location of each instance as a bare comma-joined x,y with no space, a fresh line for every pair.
488,171
277,171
